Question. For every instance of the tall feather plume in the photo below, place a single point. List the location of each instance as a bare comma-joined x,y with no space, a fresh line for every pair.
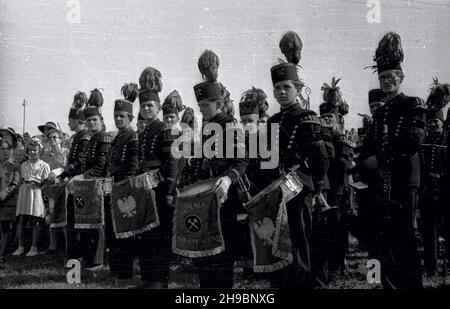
96,98
79,100
390,49
208,64
439,95
150,79
256,97
188,117
289,44
174,100
130,91
331,94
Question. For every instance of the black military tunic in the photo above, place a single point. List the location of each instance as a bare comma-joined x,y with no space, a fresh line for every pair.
395,137
75,160
123,163
154,247
300,143
217,271
94,165
95,155
79,143
433,156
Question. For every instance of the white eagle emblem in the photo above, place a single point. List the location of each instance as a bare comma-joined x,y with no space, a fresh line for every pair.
265,229
127,206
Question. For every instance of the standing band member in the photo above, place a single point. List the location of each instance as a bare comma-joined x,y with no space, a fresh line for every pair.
300,144
74,163
153,247
94,166
123,163
392,156
433,156
217,271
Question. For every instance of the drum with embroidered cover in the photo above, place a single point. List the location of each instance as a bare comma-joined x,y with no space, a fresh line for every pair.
196,229
134,209
88,195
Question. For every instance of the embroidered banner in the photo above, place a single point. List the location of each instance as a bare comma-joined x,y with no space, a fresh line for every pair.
88,202
134,208
196,229
269,232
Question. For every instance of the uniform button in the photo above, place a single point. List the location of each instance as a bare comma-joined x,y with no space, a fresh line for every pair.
289,147
296,126
290,142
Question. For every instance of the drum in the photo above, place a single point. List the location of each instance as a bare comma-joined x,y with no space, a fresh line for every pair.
88,195
133,207
197,231
269,228
290,183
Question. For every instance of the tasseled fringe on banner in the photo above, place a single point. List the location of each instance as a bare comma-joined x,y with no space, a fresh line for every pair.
129,234
83,226
199,254
271,267
286,257
59,224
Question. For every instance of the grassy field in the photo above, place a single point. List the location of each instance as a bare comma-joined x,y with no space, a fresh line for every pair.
48,272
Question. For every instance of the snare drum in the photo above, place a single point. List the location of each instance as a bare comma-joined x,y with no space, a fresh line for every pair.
197,231
290,183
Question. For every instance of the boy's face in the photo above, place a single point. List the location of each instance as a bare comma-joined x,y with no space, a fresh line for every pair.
285,92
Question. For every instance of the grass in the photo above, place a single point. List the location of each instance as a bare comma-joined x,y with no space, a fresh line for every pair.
49,272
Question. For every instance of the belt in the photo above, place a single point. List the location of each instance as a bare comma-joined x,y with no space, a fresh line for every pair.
152,164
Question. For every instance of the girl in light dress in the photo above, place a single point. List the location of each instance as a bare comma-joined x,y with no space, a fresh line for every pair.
30,205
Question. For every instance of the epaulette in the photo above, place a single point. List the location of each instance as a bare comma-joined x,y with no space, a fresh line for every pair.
135,137
106,138
86,136
417,103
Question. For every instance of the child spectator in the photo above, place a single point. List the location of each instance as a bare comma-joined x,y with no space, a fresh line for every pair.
30,205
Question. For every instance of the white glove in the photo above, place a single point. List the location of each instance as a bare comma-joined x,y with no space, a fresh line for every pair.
222,186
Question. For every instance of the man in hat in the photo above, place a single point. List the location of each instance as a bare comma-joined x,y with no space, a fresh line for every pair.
49,125
94,165
252,109
432,191
338,184
155,157
299,142
392,157
433,155
79,143
123,163
217,271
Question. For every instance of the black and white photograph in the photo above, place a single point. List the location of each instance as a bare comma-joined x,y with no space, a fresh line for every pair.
252,145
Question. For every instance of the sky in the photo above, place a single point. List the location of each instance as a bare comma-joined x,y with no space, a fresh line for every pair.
48,52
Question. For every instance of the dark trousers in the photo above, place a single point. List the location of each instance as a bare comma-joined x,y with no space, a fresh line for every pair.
298,274
394,243
217,271
430,222
339,246
154,247
121,251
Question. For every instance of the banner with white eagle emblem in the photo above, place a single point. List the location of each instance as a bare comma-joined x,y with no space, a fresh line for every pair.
134,208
